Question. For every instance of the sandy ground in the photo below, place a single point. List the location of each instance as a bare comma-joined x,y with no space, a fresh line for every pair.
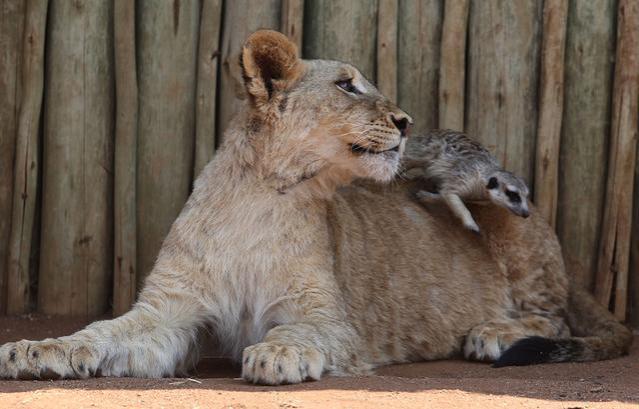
442,384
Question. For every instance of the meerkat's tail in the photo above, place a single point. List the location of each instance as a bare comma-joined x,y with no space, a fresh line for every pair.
597,336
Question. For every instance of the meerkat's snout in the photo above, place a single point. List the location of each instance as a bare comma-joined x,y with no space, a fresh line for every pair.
521,210
517,201
509,195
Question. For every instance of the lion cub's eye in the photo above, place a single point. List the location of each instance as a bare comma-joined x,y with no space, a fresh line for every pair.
347,85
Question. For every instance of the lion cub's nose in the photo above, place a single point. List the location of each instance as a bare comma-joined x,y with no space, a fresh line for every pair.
401,122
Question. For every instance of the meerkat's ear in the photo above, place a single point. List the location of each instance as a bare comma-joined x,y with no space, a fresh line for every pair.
493,183
270,65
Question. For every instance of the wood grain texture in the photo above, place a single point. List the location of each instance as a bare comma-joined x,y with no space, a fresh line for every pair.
293,20
207,65
551,104
452,72
241,18
77,224
614,250
11,28
26,157
633,279
126,130
492,68
628,119
584,138
387,48
342,30
503,61
419,45
167,38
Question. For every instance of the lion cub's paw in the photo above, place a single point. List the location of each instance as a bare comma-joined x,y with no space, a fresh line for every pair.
9,355
271,363
486,343
48,359
84,361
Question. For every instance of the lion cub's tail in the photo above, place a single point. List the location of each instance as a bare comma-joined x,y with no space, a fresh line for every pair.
598,336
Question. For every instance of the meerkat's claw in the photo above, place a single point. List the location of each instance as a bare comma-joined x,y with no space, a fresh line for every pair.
474,228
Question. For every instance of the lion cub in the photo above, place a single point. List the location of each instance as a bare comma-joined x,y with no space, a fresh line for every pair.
463,170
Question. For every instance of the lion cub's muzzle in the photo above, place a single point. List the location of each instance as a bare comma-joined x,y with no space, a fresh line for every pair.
359,149
384,134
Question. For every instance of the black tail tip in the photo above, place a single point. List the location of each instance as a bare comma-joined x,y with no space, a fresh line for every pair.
528,351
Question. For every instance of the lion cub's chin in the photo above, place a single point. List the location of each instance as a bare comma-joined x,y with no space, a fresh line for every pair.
380,167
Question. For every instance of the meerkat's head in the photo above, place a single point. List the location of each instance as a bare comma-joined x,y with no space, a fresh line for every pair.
509,191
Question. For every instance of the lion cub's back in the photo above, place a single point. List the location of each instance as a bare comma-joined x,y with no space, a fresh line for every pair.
413,279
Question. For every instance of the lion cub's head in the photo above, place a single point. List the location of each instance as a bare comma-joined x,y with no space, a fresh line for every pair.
316,119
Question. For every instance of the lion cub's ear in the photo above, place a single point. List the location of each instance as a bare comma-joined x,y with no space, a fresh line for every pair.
270,65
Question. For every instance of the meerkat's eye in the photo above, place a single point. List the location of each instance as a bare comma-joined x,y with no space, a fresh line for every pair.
492,183
347,85
513,196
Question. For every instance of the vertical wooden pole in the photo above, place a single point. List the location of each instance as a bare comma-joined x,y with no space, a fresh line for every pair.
452,73
292,20
167,37
614,250
126,123
551,105
208,56
584,136
633,279
418,50
241,18
503,61
26,158
11,30
630,60
77,225
342,30
387,48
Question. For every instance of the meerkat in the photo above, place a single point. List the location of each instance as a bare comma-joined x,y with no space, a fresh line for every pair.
461,169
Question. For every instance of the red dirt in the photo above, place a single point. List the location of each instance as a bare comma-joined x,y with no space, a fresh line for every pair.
442,384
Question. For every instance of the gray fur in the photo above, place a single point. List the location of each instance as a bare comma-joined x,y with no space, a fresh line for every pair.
461,170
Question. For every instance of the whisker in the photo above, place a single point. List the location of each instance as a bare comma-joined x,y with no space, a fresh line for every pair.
350,133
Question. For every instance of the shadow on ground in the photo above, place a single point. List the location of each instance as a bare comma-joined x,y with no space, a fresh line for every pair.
615,381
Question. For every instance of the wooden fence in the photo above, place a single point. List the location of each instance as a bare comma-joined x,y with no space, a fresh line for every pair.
110,109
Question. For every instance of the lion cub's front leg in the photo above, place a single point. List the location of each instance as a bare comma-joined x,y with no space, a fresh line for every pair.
285,356
152,340
50,358
293,353
321,341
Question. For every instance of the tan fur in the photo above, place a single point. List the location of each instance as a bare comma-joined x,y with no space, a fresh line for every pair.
301,272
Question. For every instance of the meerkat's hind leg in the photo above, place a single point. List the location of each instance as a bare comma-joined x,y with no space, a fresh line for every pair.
459,209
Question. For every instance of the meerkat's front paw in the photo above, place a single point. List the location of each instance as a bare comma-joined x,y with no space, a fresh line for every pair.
272,363
472,226
47,359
